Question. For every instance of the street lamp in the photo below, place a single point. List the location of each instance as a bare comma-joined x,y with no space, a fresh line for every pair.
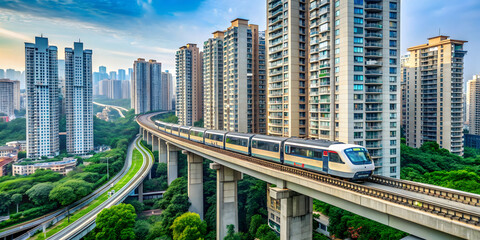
108,174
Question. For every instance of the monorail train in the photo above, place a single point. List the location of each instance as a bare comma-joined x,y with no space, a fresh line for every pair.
334,158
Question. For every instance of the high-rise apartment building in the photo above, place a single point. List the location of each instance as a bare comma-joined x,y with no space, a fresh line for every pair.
9,97
403,89
130,74
42,98
244,106
213,81
167,91
112,89
78,99
121,74
2,74
146,86
189,87
473,105
287,44
126,89
435,94
339,60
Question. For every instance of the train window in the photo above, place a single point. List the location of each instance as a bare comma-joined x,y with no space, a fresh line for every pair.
218,138
254,144
334,157
301,151
198,134
318,154
267,146
237,141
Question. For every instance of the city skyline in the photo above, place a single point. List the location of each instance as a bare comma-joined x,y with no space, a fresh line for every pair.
118,43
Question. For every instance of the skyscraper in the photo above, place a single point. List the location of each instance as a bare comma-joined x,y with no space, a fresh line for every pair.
167,91
130,74
473,105
434,94
78,99
42,98
121,74
126,89
9,97
2,74
113,75
340,59
287,44
189,102
243,91
146,86
213,81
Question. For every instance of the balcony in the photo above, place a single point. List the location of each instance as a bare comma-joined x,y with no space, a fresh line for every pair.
373,17
373,35
373,7
373,72
373,26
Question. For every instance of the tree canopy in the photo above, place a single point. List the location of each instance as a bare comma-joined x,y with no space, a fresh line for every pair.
188,226
116,222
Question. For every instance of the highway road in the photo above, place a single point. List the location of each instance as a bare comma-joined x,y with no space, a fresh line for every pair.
36,224
117,108
79,228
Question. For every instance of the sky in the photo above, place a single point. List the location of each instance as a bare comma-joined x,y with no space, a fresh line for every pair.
120,31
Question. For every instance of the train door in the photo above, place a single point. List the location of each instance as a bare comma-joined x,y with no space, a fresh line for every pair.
325,161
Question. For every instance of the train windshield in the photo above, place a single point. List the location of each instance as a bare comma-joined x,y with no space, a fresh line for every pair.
358,156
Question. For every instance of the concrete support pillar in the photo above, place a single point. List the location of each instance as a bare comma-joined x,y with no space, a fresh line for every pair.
172,164
149,138
144,135
162,151
195,183
227,198
155,140
296,214
140,192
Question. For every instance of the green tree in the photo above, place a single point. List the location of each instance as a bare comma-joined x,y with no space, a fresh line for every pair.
231,234
63,195
17,198
39,193
116,222
188,226
141,229
80,187
5,201
264,232
255,223
22,154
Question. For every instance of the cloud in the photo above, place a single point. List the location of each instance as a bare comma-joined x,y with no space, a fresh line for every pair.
10,34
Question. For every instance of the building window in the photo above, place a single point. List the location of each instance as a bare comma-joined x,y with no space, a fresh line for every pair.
357,40
393,142
358,10
393,151
358,59
358,30
393,133
393,43
358,2
357,87
357,20
393,15
393,169
393,160
357,77
358,135
358,49
358,68
393,6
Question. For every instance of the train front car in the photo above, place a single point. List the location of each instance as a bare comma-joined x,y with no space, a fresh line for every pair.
356,162
238,142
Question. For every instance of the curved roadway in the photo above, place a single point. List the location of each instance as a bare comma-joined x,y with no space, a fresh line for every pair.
119,109
36,224
82,226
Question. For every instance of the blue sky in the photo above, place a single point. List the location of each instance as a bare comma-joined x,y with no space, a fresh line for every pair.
121,31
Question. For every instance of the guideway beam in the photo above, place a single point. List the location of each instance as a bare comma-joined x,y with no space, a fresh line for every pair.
296,214
227,198
195,183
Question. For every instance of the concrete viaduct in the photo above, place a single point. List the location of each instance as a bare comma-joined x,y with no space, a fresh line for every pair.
421,214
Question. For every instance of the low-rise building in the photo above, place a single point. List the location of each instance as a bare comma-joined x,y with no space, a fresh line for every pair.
7,151
62,167
19,145
4,161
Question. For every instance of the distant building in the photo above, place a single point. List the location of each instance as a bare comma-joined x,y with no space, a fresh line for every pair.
146,86
9,97
112,89
79,99
113,75
41,68
130,74
167,91
473,105
62,167
434,94
121,74
2,73
7,151
126,89
19,145
472,141
189,87
4,161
